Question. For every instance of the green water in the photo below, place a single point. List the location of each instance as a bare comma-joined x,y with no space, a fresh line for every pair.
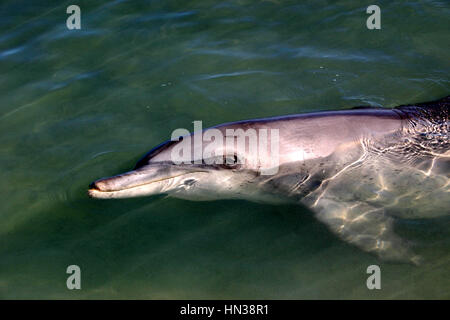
77,105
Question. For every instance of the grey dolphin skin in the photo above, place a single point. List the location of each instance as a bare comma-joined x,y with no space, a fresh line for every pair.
357,170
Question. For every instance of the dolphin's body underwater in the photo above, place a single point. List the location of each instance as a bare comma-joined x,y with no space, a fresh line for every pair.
358,170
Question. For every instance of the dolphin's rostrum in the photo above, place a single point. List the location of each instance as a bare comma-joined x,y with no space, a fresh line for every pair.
358,170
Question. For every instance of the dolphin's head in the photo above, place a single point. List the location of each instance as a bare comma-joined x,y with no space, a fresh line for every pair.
187,169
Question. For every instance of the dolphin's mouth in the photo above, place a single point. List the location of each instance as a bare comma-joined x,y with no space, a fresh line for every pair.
133,184
95,187
96,191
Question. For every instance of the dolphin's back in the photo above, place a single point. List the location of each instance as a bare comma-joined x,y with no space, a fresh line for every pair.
429,124
434,111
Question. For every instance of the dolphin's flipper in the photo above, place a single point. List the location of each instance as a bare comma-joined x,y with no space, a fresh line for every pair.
366,227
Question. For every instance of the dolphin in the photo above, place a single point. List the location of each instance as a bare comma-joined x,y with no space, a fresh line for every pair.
357,170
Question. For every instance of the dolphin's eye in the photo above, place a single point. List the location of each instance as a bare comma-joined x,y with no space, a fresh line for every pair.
231,161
